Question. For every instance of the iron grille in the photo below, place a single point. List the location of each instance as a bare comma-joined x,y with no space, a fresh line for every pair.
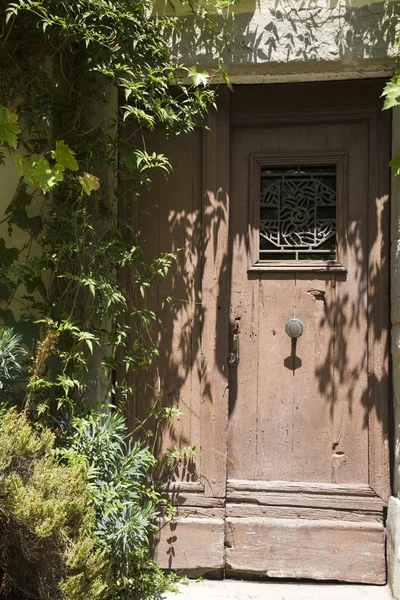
298,213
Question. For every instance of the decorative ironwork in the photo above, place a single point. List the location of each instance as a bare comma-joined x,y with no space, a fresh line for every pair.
298,213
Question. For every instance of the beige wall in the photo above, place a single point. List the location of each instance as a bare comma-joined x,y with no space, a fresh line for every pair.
290,40
242,6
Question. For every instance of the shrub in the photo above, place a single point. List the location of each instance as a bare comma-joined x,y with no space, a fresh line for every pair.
47,544
125,500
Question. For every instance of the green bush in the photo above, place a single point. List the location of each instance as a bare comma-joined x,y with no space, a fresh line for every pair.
76,521
125,500
47,543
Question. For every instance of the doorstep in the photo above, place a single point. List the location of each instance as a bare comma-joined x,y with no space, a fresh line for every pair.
243,590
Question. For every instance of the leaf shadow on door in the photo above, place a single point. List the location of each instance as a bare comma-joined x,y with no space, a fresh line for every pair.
171,219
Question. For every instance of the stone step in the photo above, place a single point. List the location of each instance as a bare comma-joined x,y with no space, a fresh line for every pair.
242,590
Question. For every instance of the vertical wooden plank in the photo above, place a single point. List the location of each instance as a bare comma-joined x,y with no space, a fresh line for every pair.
313,394
378,303
177,196
169,215
243,377
350,441
215,294
277,412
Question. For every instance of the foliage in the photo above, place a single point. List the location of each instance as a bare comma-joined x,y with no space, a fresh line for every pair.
47,545
11,369
67,57
81,280
391,93
125,501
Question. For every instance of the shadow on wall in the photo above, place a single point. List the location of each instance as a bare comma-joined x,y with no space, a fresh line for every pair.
291,31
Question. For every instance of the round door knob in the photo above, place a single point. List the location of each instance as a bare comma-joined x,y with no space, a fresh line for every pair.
294,327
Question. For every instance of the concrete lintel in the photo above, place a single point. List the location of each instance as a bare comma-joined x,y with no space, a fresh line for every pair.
311,71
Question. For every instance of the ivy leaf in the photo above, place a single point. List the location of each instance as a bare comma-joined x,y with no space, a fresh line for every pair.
198,78
7,255
395,164
64,156
38,171
9,127
392,93
89,183
224,74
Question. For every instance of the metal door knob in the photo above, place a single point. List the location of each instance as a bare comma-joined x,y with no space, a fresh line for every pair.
294,327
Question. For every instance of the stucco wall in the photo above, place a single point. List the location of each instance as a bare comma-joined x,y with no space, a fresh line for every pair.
273,40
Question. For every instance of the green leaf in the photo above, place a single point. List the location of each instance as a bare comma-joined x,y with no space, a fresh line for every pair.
395,164
7,255
224,74
198,78
89,183
7,317
26,326
65,156
392,93
9,127
38,171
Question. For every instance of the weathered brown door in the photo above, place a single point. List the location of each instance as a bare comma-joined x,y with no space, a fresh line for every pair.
282,209
308,474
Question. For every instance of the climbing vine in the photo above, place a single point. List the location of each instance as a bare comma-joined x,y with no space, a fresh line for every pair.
73,75
60,64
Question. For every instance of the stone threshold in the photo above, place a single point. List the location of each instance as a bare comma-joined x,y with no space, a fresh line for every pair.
243,590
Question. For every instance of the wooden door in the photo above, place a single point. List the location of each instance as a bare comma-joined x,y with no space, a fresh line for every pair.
307,437
281,209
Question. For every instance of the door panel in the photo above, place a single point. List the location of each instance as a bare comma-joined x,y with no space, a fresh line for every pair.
296,416
302,418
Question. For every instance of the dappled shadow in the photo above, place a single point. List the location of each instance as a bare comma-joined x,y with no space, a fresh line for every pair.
356,313
177,215
187,215
284,32
332,409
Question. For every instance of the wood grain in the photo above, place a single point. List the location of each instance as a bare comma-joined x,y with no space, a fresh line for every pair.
305,449
307,549
195,544
241,511
215,293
